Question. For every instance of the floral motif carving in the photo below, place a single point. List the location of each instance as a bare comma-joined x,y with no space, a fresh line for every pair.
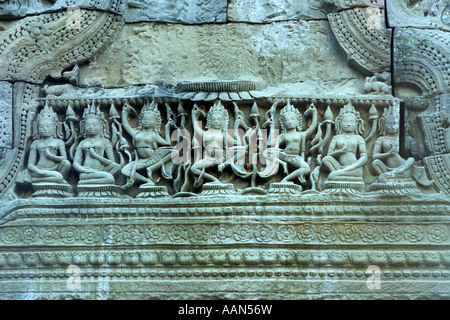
414,233
392,233
221,233
263,233
370,233
29,235
306,232
177,233
243,233
199,234
286,233
437,233
327,233
349,233
155,233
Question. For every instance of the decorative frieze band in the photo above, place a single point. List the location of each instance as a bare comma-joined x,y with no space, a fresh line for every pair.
244,232
138,261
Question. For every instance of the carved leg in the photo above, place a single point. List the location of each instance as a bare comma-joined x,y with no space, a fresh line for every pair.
299,173
64,168
331,163
379,167
198,169
49,176
158,165
127,171
96,178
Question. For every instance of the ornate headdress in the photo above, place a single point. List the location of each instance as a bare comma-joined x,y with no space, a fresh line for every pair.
93,111
390,115
218,108
153,109
47,113
287,109
349,109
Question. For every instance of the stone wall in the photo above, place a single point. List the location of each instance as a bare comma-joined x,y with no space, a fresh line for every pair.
184,149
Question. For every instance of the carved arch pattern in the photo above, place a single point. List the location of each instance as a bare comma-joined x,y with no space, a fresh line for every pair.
421,60
33,56
366,47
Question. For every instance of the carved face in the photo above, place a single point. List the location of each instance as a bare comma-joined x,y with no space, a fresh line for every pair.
217,120
349,123
148,120
290,120
391,126
46,127
92,127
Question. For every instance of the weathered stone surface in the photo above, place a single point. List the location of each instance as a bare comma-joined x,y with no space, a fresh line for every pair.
421,61
13,9
32,44
6,118
260,11
264,11
434,14
181,11
94,206
363,37
288,56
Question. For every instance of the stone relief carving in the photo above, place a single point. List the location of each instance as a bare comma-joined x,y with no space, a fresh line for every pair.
347,153
182,11
434,126
24,59
13,9
421,60
82,134
419,13
215,141
378,84
47,159
94,158
6,120
352,29
152,151
51,46
395,174
131,151
294,140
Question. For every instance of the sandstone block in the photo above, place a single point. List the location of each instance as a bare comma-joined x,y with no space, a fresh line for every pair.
13,9
432,14
5,115
290,55
179,11
261,11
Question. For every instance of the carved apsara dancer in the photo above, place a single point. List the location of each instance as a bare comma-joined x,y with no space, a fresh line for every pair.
94,156
214,140
47,161
152,151
347,153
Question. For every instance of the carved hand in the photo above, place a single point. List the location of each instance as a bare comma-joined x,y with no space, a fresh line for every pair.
171,123
393,150
341,151
128,109
95,155
52,156
196,111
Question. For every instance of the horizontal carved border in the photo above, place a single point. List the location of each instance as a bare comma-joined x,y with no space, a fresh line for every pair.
213,260
230,233
314,205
